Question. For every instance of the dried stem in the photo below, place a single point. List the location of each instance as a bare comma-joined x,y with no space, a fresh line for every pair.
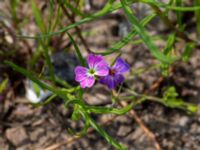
151,136
156,85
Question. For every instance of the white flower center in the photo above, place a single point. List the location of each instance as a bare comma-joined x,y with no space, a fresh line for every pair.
91,72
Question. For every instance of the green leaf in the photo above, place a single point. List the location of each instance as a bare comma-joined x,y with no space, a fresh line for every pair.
109,7
14,5
35,79
3,85
99,109
197,16
40,22
178,13
167,51
117,46
48,62
171,100
164,70
103,133
103,110
169,7
38,17
170,43
78,52
144,35
36,88
83,111
187,52
170,92
191,108
76,114
182,8
76,11
45,102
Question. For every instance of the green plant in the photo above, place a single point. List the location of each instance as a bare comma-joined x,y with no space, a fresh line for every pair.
52,26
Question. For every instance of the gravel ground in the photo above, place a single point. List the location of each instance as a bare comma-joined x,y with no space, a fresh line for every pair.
25,127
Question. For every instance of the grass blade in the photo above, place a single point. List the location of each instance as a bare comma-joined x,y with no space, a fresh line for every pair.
170,43
78,52
35,79
144,35
169,7
108,138
178,13
103,110
117,46
106,10
3,85
197,15
99,109
38,17
187,52
103,133
74,10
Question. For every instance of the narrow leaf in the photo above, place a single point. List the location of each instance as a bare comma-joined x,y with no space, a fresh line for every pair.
178,13
144,35
170,43
197,16
34,79
78,52
38,16
187,52
106,10
107,137
117,46
3,85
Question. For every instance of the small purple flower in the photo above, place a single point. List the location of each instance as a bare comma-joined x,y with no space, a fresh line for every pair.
115,77
97,67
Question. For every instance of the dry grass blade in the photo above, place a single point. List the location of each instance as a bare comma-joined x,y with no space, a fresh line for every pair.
149,134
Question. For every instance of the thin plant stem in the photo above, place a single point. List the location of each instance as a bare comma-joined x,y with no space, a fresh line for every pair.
78,30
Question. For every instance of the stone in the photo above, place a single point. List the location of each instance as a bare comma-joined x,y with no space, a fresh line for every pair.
23,111
123,130
17,136
183,121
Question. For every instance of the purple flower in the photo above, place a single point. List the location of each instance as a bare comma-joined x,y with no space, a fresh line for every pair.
115,77
97,67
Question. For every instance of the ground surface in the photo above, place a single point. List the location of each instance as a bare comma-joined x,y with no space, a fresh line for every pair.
26,127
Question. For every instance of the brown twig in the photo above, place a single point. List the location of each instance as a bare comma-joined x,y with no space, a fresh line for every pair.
78,30
151,136
156,85
136,117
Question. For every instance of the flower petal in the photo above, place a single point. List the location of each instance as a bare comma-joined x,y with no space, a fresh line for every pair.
104,80
102,68
93,60
119,79
80,73
112,81
121,66
108,80
88,82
